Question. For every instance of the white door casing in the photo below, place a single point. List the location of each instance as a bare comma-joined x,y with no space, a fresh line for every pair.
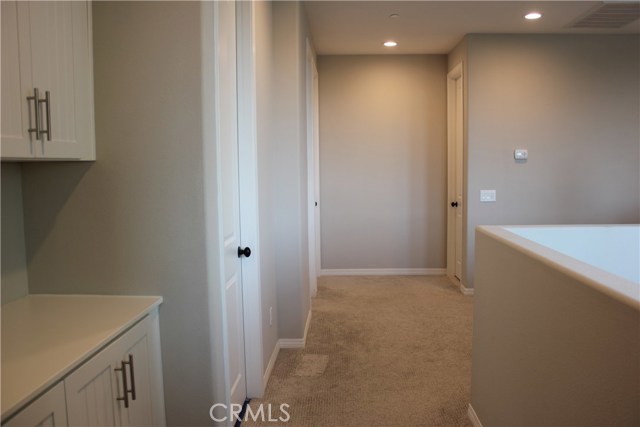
455,142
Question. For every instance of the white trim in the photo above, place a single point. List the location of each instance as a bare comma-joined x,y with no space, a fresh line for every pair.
248,195
270,365
465,290
306,327
296,342
385,272
291,343
473,417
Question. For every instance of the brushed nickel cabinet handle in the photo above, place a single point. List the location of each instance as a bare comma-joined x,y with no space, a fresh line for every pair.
132,377
47,104
125,398
36,103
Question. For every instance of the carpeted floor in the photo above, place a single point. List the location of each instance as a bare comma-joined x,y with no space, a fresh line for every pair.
381,351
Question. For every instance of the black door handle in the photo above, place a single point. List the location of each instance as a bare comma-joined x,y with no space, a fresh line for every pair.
246,252
454,204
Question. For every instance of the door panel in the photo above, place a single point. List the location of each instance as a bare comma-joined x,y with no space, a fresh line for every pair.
229,184
459,144
49,410
90,390
61,65
16,81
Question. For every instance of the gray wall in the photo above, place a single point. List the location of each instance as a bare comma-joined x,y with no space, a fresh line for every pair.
133,221
574,103
14,279
267,209
289,153
383,161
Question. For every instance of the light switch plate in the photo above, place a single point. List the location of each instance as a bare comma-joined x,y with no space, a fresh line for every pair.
487,196
520,154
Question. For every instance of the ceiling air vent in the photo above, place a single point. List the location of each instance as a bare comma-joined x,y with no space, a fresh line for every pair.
609,15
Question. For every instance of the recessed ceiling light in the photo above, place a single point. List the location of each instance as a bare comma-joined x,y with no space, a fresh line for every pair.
394,15
533,16
390,43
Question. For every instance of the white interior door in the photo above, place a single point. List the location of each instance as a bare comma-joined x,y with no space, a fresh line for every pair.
227,136
455,110
458,176
313,171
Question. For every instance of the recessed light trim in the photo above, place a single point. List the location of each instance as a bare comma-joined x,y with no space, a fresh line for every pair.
532,16
390,43
394,15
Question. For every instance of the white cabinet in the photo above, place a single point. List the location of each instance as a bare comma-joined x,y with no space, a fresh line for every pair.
49,410
47,81
121,385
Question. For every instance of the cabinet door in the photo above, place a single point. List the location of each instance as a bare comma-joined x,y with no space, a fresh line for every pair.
96,389
49,410
134,357
16,82
92,390
61,55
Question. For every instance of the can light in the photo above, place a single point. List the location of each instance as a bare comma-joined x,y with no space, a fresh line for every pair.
390,44
531,16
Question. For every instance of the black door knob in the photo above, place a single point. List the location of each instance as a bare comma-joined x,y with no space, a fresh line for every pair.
454,204
246,252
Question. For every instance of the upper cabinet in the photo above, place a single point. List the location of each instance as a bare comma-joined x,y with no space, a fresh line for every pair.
47,81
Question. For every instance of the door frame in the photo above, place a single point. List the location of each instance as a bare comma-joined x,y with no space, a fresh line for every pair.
457,73
251,286
249,209
313,171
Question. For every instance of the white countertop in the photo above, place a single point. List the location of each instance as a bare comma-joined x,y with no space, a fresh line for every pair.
44,337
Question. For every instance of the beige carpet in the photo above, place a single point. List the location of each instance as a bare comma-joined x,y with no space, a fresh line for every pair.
381,351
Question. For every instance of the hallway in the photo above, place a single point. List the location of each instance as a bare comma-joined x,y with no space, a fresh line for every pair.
381,351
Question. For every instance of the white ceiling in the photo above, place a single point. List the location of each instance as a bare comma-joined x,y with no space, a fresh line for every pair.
360,27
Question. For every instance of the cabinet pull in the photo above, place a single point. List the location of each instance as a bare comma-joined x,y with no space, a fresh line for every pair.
125,398
36,104
132,390
47,104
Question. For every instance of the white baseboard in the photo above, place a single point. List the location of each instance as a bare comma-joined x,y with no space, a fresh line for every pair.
473,417
465,290
270,365
306,326
291,342
297,342
384,272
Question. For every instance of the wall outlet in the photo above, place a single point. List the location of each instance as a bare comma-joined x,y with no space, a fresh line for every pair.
487,196
270,316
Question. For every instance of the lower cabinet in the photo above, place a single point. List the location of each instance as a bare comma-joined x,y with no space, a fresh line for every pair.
49,410
119,386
